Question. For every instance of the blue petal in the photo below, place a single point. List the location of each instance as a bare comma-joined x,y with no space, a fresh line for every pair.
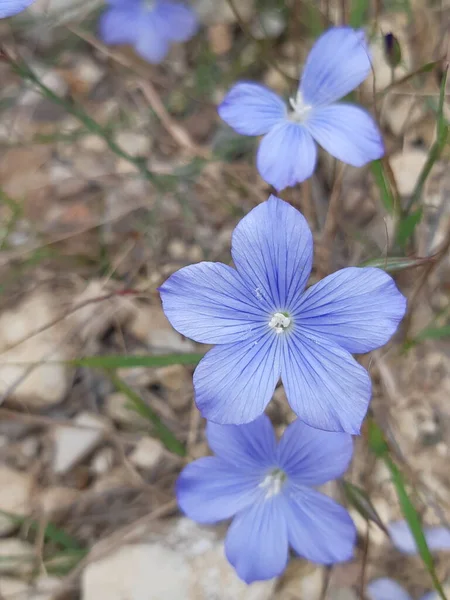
272,249
235,382
338,62
347,132
386,589
119,25
257,542
151,43
8,8
287,155
324,384
209,490
319,529
252,109
313,457
176,21
209,303
249,446
438,538
357,308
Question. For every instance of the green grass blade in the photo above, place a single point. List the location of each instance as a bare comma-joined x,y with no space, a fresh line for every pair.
141,407
382,181
379,445
124,361
407,226
358,13
394,264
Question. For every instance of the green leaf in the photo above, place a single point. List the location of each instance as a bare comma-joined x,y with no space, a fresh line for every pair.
394,264
382,181
431,333
407,226
377,443
118,361
358,498
141,407
358,13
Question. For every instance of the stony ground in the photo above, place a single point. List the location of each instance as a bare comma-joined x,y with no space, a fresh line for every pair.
94,219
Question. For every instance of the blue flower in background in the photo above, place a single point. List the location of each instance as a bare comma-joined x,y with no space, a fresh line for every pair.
266,325
151,26
338,62
9,8
265,486
388,589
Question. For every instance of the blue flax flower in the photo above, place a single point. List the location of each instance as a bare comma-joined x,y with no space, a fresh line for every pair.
151,26
266,487
266,325
338,62
388,589
9,8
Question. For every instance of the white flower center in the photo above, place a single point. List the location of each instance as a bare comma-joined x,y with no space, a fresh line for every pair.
301,110
273,483
280,322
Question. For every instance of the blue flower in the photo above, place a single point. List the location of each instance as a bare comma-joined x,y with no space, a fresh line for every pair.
265,486
438,538
388,589
338,62
267,326
9,8
149,25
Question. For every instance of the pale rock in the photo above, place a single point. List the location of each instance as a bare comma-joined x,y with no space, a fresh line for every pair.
13,589
44,588
140,377
187,562
64,10
119,477
269,23
72,444
15,496
94,318
406,167
147,453
136,144
50,78
150,326
102,461
93,143
89,72
126,167
219,11
16,557
65,180
117,407
29,447
46,384
220,37
177,249
54,499
177,383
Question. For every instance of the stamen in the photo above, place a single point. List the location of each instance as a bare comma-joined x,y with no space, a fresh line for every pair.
273,482
280,322
300,108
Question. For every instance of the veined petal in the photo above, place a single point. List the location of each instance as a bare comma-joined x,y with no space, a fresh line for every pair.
438,538
235,382
257,541
347,132
210,490
208,303
338,62
311,456
9,8
357,308
119,25
287,155
252,109
319,529
249,446
386,589
151,42
176,21
272,249
324,384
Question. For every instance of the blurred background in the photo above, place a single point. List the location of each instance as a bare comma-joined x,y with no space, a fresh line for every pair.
115,173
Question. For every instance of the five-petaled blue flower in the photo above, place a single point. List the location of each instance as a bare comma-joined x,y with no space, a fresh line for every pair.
338,62
265,486
388,589
266,325
9,8
151,26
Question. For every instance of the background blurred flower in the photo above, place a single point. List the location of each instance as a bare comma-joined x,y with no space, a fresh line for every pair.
148,25
268,327
8,8
266,488
388,589
438,538
338,62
